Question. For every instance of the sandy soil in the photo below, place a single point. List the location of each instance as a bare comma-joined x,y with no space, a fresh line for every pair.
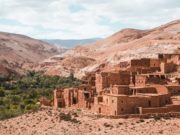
48,122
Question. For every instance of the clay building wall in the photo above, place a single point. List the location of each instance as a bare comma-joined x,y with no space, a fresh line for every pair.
101,81
80,100
140,80
106,79
166,109
146,90
174,59
146,101
123,104
145,65
89,79
121,89
170,58
155,63
134,102
98,99
115,104
101,106
77,97
44,101
175,100
112,103
177,51
167,67
122,65
174,89
178,80
101,109
164,57
70,96
124,78
58,98
145,62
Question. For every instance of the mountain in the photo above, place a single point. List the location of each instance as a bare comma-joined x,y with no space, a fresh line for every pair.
69,43
124,45
19,52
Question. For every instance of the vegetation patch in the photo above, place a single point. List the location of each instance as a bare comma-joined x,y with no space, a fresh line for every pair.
68,117
19,95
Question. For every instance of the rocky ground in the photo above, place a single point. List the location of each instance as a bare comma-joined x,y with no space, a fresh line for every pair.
50,122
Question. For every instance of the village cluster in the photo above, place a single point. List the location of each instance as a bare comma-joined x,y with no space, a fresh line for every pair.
140,86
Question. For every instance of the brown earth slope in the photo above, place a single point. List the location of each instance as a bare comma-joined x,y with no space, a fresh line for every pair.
48,122
18,52
128,44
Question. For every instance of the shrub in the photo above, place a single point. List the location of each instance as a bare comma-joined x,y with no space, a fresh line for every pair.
1,102
68,117
157,118
2,92
15,99
31,107
141,120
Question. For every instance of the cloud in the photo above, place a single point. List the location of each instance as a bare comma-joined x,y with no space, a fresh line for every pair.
84,18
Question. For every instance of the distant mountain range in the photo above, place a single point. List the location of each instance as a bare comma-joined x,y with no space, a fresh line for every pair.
69,43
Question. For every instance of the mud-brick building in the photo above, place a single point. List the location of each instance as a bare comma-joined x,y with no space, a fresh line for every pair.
145,65
107,79
143,86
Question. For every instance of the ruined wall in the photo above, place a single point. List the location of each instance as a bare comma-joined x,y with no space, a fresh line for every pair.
81,103
44,101
58,98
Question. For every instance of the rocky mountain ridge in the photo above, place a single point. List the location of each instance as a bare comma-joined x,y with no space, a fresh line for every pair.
19,52
124,45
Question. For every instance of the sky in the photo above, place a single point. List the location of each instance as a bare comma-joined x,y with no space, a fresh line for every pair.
80,19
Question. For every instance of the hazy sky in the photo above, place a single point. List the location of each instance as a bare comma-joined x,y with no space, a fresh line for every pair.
83,18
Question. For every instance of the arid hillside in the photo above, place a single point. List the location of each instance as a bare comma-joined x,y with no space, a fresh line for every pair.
50,122
18,52
123,46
